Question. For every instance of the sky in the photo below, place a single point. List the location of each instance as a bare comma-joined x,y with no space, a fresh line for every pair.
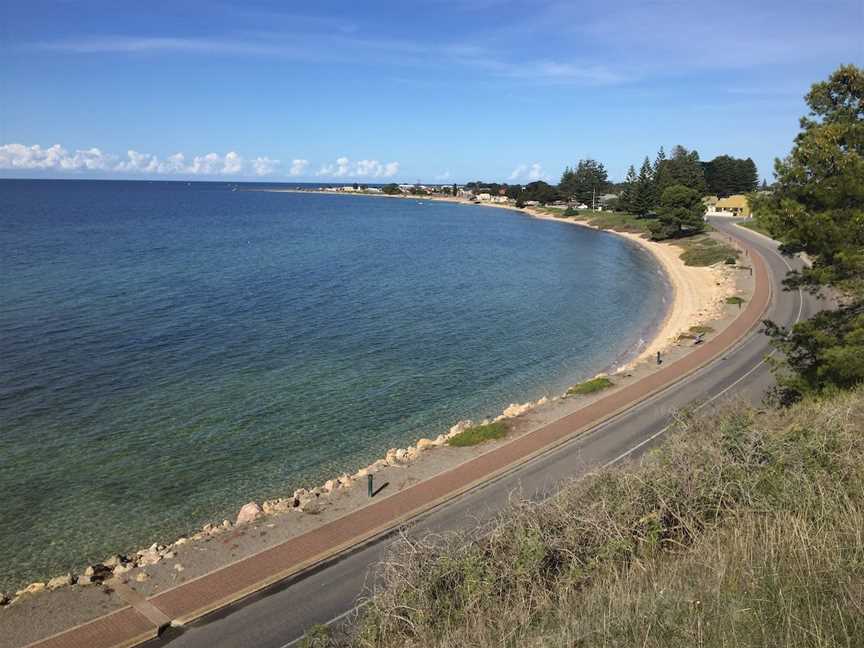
437,91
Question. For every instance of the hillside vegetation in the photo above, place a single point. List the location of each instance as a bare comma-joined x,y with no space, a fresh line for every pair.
743,529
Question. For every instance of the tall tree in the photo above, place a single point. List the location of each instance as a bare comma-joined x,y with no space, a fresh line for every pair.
683,168
628,192
817,206
643,195
587,180
661,177
681,212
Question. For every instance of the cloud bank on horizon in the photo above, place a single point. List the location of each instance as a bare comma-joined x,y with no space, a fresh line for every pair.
58,159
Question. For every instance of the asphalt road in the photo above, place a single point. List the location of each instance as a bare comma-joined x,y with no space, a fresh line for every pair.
278,617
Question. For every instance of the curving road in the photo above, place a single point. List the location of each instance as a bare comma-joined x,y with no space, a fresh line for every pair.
277,617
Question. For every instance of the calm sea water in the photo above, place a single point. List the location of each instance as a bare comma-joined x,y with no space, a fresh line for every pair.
171,351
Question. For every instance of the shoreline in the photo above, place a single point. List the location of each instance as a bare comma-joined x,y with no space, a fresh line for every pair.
312,500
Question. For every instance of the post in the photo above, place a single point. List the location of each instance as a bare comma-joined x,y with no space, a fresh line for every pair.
658,358
369,484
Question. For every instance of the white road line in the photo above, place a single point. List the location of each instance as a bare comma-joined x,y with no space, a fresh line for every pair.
327,623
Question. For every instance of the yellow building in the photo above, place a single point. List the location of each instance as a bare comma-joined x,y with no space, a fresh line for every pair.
737,205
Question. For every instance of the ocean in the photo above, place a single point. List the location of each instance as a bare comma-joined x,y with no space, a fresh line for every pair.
172,350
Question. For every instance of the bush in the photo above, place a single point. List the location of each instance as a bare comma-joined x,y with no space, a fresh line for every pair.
479,434
590,386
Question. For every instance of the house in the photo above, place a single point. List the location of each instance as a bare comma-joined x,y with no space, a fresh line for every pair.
484,197
737,205
531,203
499,199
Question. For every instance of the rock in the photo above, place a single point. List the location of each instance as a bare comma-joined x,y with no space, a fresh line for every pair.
277,506
440,440
412,454
516,409
181,541
425,444
178,567
361,474
142,577
113,561
84,580
32,588
168,555
461,426
121,569
401,454
207,528
149,558
345,480
226,524
248,513
330,485
97,573
60,581
4,599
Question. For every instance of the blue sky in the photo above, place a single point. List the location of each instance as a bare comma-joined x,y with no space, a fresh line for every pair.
443,90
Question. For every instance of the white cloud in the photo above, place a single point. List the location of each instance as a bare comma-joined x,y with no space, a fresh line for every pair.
443,177
298,167
19,156
232,164
529,172
343,167
57,158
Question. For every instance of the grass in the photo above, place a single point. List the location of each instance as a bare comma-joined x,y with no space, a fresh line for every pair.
478,434
701,329
743,529
735,300
590,386
756,227
703,250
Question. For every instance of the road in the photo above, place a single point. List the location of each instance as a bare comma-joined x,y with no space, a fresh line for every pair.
278,616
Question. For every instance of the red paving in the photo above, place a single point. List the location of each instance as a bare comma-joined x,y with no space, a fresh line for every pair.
218,588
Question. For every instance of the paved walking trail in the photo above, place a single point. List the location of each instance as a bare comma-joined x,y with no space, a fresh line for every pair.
144,618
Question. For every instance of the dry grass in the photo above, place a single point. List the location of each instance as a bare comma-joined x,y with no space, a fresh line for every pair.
744,529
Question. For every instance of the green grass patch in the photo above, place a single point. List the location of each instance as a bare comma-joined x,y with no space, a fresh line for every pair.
479,434
735,300
703,251
701,329
590,386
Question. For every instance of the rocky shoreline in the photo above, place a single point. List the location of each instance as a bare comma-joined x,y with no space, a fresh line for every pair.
303,500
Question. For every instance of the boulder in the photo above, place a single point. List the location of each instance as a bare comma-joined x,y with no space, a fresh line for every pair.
168,555
330,485
142,576
121,569
84,580
345,480
181,541
361,474
440,440
248,513
60,581
32,588
113,561
425,444
178,567
149,558
97,573
4,599
226,524
401,454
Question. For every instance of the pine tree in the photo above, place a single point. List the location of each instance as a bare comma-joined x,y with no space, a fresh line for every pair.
628,193
643,198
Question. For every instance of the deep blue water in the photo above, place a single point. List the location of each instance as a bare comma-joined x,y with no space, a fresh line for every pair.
171,351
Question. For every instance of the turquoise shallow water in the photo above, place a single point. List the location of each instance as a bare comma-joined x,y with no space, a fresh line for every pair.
171,351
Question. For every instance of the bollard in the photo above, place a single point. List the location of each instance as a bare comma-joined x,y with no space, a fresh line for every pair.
658,357
369,483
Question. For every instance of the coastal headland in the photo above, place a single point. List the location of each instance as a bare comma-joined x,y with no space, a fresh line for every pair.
699,301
